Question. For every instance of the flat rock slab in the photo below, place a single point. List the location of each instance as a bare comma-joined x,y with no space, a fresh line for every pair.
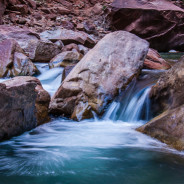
68,36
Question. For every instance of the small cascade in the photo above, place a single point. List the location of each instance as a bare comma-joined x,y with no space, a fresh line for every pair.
138,108
132,106
50,78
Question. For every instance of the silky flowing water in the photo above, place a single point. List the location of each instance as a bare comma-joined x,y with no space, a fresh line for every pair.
104,150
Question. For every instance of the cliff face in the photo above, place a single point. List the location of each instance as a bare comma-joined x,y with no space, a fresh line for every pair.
157,21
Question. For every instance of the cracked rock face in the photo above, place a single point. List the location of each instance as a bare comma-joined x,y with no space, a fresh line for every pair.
100,75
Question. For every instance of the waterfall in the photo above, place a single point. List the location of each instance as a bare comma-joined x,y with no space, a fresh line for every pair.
132,106
50,78
138,106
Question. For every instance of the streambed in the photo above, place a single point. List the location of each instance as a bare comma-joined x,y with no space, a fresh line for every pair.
104,150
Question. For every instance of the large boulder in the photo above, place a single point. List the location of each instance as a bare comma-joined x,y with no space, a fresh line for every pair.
155,61
24,105
100,75
13,61
36,49
158,21
168,127
168,101
2,10
68,36
167,93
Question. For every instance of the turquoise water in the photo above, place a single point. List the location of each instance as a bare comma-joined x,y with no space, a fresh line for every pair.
172,57
101,152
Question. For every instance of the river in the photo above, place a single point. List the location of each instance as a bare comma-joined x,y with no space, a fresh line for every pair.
105,150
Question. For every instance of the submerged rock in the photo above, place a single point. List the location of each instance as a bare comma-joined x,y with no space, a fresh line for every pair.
67,58
168,100
100,75
24,105
154,61
13,61
160,22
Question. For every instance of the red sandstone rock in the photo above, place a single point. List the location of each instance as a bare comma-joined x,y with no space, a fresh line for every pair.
23,9
154,61
68,36
158,21
62,11
24,105
2,9
70,47
22,36
13,61
37,50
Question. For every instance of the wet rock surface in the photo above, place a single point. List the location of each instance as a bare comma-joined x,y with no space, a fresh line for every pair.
167,98
100,75
22,101
168,127
167,92
154,61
